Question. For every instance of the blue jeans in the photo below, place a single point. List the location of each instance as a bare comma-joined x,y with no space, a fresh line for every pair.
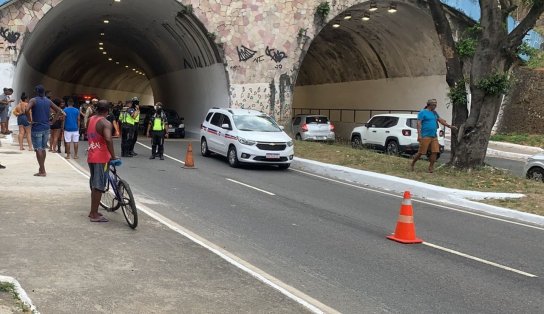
39,139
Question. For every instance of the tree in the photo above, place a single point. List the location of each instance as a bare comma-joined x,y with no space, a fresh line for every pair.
491,52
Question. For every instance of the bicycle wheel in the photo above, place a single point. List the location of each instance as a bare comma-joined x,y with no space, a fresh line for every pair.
128,204
108,201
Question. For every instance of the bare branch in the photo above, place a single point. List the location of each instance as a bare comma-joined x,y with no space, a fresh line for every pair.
515,38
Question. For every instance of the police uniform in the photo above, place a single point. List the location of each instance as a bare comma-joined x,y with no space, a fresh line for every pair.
127,131
158,125
135,128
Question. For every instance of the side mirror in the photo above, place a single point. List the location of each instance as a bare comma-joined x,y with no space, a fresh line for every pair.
225,126
366,125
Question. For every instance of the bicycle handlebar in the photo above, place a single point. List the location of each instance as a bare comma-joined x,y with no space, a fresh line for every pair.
116,162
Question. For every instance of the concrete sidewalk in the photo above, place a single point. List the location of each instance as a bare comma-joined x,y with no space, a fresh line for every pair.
67,264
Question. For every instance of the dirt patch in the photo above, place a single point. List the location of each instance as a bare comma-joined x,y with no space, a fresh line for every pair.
9,301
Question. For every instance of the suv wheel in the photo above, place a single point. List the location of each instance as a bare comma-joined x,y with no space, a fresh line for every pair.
204,148
233,157
356,141
536,174
392,148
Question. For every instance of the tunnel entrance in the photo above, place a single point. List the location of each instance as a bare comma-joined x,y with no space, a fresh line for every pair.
366,62
155,50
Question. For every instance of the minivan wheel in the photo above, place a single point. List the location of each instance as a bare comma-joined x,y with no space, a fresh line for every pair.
392,148
233,157
536,174
356,141
298,137
204,148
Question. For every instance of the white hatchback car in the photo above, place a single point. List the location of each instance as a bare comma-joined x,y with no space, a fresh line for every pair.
394,133
534,167
245,136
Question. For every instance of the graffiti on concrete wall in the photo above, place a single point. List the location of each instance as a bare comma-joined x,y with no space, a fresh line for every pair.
251,96
11,38
245,54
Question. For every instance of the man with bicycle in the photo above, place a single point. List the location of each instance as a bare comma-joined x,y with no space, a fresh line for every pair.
99,134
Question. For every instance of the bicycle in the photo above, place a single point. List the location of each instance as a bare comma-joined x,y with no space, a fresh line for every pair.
121,196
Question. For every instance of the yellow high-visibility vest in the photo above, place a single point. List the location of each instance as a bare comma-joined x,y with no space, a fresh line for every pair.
158,124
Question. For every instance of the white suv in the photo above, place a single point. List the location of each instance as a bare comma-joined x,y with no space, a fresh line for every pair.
245,136
393,133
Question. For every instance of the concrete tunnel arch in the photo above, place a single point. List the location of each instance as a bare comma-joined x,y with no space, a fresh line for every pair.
393,61
159,52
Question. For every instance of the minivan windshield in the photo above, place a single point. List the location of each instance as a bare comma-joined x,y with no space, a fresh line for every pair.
261,123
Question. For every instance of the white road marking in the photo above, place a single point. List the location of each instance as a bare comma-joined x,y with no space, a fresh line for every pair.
298,296
165,155
251,187
480,260
420,201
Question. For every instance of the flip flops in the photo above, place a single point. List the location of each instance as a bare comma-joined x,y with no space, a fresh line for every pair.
99,219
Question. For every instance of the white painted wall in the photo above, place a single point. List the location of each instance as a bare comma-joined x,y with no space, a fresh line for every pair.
192,92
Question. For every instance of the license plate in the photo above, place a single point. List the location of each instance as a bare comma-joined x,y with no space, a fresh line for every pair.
171,130
272,156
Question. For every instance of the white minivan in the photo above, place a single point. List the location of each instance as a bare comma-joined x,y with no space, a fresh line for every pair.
245,136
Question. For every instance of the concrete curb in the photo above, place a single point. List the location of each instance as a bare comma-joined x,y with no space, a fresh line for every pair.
501,150
421,190
21,293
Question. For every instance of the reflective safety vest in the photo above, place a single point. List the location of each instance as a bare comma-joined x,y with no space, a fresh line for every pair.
158,124
126,118
137,119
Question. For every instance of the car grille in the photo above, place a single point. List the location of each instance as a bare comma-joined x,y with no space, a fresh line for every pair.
271,146
263,158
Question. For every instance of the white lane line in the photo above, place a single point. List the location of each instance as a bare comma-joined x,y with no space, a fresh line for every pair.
420,201
251,187
480,260
296,295
165,155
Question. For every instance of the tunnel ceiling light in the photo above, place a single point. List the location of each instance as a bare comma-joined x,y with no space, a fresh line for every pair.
392,8
366,16
347,17
101,48
126,66
117,0
106,21
335,25
133,69
101,44
102,34
104,53
373,6
110,59
117,62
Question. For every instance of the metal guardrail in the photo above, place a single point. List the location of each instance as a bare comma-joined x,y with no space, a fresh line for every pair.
342,115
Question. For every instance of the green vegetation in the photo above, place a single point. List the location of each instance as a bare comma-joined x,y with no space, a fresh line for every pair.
486,179
323,10
458,94
12,300
495,84
536,140
466,46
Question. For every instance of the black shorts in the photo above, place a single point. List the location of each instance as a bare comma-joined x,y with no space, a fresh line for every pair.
99,176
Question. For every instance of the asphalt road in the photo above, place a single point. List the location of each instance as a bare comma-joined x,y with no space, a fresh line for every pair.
327,238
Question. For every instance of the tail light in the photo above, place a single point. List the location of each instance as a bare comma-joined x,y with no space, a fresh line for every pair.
441,133
304,127
407,132
331,127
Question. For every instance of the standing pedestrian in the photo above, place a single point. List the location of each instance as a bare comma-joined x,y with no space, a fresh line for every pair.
5,102
427,124
23,121
136,129
71,129
41,106
127,130
157,125
56,127
99,134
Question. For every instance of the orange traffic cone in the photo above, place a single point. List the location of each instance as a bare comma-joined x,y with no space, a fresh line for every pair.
406,228
189,163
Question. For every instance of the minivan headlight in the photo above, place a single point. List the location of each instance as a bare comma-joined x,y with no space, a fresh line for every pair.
181,126
290,143
246,142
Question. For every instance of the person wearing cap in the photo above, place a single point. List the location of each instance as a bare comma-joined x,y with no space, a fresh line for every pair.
40,107
427,124
127,118
157,125
136,105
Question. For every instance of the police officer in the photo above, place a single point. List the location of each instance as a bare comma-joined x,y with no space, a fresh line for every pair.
136,106
127,129
157,125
